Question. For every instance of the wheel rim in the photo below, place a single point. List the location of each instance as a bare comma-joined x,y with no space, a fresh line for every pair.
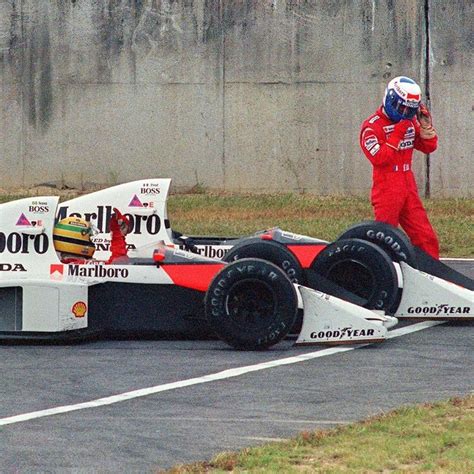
354,276
251,304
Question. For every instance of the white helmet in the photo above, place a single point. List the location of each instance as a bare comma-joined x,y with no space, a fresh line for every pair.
402,98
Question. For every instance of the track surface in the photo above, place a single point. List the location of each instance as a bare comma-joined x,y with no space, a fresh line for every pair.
192,423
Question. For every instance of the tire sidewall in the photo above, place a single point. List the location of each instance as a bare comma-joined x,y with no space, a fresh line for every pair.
270,251
279,323
390,239
374,259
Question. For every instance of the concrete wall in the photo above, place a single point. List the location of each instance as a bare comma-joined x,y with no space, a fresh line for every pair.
263,95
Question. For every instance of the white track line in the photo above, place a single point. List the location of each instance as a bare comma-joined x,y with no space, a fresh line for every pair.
412,328
458,259
225,374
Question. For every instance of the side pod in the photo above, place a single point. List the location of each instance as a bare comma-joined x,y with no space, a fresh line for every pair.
428,297
330,320
42,309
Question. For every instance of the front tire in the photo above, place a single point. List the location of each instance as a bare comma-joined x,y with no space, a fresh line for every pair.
361,268
251,304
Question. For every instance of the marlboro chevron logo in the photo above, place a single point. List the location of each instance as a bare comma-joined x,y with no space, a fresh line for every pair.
56,271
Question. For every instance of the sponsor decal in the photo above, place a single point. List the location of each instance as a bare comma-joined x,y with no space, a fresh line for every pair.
16,242
290,236
104,244
375,149
38,207
342,333
374,118
370,142
410,99
439,310
79,309
179,252
271,336
56,271
101,219
346,248
23,220
405,144
399,90
135,202
152,189
209,251
387,240
12,267
97,271
414,98
388,128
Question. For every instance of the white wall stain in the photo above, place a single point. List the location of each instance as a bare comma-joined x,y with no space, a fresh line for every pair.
373,16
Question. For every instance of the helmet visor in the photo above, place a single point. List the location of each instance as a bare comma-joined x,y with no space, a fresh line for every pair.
407,111
405,108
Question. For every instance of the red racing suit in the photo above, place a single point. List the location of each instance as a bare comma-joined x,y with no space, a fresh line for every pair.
389,147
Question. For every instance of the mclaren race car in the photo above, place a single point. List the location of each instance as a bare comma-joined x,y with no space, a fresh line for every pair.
246,290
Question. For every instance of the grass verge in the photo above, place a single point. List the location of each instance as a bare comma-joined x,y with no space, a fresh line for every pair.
425,438
322,217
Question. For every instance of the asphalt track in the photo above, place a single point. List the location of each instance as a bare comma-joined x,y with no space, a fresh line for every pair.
217,411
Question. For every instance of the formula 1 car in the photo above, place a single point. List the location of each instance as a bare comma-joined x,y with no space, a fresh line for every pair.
248,298
363,266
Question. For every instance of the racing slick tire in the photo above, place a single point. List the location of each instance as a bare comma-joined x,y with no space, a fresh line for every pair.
270,251
392,240
251,304
362,268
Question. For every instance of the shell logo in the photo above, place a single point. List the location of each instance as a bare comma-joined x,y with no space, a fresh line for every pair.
79,309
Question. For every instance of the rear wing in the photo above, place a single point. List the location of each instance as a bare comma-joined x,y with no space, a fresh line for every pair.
144,204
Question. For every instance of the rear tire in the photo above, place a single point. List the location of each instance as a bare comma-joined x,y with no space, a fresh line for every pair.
251,304
362,268
391,240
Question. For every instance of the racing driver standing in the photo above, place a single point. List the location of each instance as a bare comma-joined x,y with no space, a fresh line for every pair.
387,138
